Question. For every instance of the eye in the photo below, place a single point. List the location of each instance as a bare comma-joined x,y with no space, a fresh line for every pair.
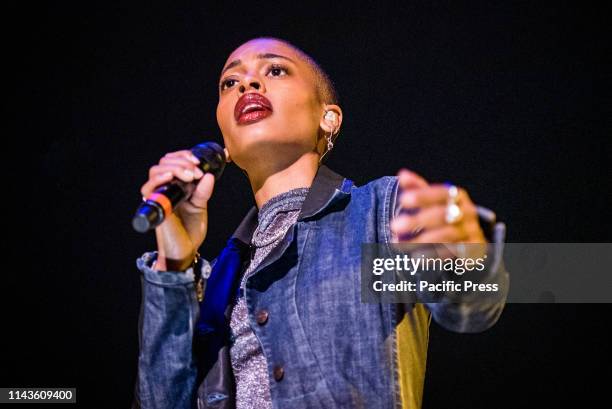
228,83
277,70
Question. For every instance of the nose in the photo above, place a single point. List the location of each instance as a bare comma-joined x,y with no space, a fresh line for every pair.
252,83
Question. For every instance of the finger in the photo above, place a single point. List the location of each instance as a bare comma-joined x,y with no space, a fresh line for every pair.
444,234
431,195
176,160
403,224
185,154
435,216
410,180
203,191
475,233
154,182
427,218
450,233
404,228
181,173
180,161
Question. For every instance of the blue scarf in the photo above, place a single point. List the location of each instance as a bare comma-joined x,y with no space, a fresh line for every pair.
220,287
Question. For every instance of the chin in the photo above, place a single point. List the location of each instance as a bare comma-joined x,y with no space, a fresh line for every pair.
260,131
256,130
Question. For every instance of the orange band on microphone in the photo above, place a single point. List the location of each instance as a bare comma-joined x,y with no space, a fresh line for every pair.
163,201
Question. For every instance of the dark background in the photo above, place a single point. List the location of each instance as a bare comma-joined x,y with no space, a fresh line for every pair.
507,99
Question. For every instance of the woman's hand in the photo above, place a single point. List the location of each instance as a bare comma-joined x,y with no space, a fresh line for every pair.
183,231
425,219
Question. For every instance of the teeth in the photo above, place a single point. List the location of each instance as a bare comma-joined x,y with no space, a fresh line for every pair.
251,107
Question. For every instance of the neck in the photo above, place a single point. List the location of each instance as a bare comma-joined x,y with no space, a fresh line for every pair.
274,179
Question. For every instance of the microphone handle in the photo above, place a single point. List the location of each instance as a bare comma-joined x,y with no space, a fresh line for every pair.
160,204
175,191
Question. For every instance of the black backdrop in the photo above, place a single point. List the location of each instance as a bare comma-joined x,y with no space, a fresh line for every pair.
504,98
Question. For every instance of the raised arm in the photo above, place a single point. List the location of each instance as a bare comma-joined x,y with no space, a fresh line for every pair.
421,216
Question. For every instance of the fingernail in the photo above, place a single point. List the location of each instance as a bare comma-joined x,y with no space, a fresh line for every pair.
188,173
194,159
199,173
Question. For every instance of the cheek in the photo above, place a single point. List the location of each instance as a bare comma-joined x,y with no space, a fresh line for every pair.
297,108
224,120
224,115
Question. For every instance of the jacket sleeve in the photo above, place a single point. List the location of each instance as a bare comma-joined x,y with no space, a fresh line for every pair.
477,314
169,310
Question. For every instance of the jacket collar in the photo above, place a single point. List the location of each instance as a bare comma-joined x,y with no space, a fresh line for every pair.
327,186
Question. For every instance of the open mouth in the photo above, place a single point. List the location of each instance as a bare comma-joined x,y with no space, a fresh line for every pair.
252,107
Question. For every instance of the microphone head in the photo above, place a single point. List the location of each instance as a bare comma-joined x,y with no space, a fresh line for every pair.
148,216
212,158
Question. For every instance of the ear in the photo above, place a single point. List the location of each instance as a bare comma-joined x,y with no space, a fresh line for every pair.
331,118
228,158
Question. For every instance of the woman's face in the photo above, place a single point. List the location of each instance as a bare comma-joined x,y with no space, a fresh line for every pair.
268,108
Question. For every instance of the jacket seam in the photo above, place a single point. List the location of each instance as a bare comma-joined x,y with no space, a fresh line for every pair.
299,320
388,204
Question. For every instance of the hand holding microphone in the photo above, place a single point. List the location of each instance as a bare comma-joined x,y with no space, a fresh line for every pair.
176,199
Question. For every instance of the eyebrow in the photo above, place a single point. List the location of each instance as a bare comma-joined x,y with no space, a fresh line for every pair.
261,56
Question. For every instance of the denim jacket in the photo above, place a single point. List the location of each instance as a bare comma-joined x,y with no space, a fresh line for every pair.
324,347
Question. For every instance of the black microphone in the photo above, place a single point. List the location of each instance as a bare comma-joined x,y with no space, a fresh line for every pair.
161,203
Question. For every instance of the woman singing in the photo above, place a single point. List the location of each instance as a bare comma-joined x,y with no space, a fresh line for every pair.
281,323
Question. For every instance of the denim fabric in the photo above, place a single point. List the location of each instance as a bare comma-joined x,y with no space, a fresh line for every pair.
167,370
334,350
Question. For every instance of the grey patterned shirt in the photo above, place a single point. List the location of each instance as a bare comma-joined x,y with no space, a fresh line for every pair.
248,361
